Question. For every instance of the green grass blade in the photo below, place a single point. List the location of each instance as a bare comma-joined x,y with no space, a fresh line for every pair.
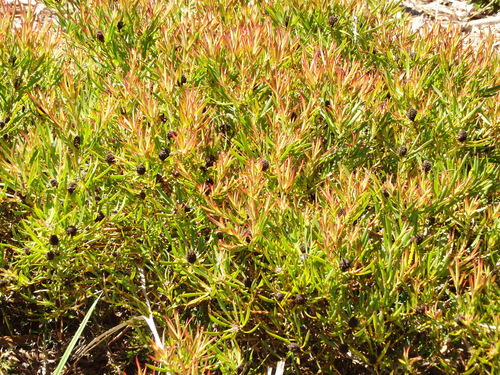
75,338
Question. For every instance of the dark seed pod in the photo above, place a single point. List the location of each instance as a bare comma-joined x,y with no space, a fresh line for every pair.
6,119
431,221
332,20
345,264
110,158
100,36
403,150
2,124
164,154
72,187
293,116
420,309
158,178
176,173
210,161
287,21
327,104
209,183
343,348
120,25
247,235
225,128
97,199
462,135
53,182
303,248
385,192
183,80
71,230
278,296
418,239
264,165
50,255
17,82
294,347
163,118
191,256
171,134
142,195
248,282
100,217
300,299
426,166
353,322
54,240
77,141
141,169
412,114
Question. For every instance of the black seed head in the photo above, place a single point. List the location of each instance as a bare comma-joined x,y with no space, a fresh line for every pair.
343,348
247,235
225,128
50,255
210,161
426,166
345,264
353,322
385,192
420,309
332,20
164,154
462,135
303,248
264,165
17,82
403,150
293,116
71,230
142,195
141,169
120,25
248,282
53,182
72,187
6,119
183,80
100,36
2,124
97,199
418,239
110,158
294,347
158,178
278,296
191,256
327,104
209,183
77,141
287,21
171,134
300,299
176,173
53,240
187,209
100,217
431,220
412,114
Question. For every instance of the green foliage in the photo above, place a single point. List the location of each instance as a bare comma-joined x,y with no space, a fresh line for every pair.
329,197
